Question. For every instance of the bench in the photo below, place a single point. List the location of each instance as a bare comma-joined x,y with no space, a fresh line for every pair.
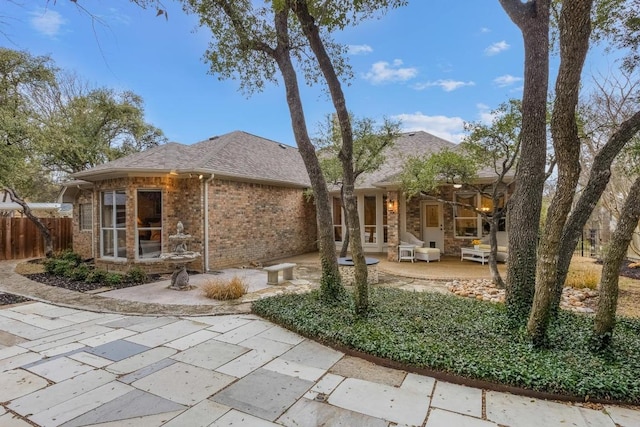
272,272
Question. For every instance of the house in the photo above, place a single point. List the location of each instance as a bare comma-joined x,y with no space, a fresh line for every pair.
240,197
386,213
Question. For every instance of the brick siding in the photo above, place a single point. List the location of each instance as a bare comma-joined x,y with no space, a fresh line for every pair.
247,222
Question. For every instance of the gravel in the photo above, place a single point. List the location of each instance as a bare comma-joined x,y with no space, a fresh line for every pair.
6,299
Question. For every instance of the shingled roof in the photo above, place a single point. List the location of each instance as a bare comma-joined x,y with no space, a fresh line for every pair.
240,155
235,155
407,145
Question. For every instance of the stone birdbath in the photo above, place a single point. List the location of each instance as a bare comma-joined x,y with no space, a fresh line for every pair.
180,257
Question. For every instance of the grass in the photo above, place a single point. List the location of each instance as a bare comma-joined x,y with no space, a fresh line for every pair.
472,339
583,277
225,289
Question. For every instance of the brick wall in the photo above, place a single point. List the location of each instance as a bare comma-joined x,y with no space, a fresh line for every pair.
247,222
82,240
251,222
181,201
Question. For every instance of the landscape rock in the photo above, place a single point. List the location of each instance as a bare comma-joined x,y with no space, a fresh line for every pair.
577,300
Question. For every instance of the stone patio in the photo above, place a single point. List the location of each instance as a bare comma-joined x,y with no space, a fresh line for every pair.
69,367
177,365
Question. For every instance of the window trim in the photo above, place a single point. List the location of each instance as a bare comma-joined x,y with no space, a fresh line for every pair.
114,228
375,226
477,217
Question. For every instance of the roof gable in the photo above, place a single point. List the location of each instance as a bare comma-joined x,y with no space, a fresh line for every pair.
409,144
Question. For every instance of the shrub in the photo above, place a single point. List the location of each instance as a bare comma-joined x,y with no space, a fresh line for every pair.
70,256
137,275
50,265
583,278
225,289
80,272
60,267
96,276
62,263
113,279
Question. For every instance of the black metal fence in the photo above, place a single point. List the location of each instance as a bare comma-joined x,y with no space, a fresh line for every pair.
589,244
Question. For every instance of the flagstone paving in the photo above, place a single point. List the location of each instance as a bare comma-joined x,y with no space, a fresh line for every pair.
68,367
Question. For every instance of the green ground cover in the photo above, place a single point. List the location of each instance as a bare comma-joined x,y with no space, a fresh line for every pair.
472,339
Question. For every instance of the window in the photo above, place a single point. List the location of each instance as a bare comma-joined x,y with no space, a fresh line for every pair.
337,219
85,219
113,231
149,223
466,219
370,223
486,205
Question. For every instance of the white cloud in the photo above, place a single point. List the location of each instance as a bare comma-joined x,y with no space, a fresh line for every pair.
383,72
496,48
446,85
506,80
485,30
485,114
449,128
359,49
47,22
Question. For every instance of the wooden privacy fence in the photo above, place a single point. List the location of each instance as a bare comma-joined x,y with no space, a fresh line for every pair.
20,238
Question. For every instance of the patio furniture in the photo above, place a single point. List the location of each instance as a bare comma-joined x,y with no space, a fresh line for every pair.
274,270
406,252
472,254
502,255
419,251
427,254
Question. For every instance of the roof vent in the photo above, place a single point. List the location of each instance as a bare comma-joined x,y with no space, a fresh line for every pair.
283,146
412,134
213,137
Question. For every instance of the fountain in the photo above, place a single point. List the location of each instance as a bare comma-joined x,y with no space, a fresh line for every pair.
180,257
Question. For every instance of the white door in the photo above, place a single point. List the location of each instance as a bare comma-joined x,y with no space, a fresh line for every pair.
433,225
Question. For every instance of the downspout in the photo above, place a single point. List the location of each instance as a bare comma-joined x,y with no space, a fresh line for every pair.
95,208
206,222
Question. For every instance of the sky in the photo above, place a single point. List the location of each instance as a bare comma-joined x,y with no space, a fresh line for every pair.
432,65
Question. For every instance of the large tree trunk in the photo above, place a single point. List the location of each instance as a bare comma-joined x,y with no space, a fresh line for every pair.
330,284
523,218
597,183
606,312
493,262
312,33
575,28
46,233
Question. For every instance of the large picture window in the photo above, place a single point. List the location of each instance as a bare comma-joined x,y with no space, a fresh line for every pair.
113,232
466,219
486,205
149,223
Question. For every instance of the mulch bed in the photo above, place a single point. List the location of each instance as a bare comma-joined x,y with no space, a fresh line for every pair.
626,271
6,299
78,285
